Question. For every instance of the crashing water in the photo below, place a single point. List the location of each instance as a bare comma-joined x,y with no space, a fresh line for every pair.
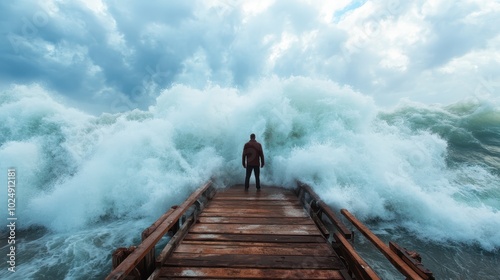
425,176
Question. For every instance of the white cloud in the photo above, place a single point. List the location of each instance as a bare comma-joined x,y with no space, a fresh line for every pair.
97,6
394,59
253,8
280,47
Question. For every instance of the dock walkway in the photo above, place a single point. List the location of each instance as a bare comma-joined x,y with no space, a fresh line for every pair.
252,234
274,233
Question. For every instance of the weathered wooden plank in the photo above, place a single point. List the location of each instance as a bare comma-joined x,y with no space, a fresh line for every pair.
255,203
266,189
249,273
240,188
255,196
255,261
256,220
256,238
250,208
255,213
221,249
270,211
250,243
267,204
256,229
265,212
261,193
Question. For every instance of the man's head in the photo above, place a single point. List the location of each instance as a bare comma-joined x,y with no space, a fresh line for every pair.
252,136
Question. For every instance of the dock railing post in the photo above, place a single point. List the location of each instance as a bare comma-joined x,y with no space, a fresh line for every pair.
307,195
149,260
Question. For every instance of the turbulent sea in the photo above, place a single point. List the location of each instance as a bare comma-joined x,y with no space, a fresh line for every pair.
425,176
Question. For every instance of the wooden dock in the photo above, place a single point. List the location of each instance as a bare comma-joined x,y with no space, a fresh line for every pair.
254,234
273,233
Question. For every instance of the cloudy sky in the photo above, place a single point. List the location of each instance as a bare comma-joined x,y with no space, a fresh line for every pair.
102,52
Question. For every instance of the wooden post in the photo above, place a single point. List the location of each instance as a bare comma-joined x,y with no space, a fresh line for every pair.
148,263
119,255
326,210
356,264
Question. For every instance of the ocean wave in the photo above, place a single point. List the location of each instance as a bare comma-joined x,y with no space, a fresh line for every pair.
420,167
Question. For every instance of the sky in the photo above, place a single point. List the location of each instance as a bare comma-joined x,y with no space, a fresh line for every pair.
116,55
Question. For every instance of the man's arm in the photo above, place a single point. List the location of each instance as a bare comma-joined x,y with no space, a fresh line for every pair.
262,161
243,158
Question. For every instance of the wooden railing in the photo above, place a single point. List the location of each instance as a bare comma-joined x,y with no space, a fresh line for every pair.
342,240
407,265
140,261
340,237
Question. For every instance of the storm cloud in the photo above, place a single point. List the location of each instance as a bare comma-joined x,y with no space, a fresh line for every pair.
104,52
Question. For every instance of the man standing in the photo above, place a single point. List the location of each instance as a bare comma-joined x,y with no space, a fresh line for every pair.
252,159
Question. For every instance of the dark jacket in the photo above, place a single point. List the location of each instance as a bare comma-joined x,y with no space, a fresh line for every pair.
252,152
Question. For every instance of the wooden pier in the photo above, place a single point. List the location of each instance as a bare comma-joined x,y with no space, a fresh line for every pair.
273,233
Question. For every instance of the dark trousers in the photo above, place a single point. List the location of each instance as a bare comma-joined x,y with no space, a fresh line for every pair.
256,172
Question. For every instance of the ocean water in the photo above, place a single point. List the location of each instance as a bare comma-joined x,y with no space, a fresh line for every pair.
425,176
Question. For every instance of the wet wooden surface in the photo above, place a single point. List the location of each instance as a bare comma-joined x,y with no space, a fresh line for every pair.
253,235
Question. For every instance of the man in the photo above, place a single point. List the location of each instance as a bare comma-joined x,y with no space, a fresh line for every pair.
252,159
